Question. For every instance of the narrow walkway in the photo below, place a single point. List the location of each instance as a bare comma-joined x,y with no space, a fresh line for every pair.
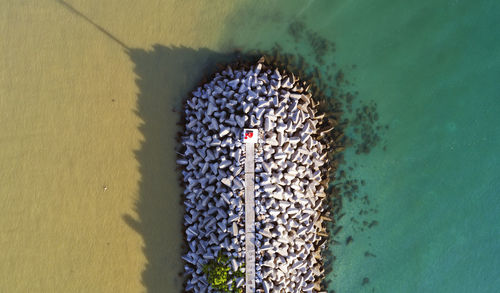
249,218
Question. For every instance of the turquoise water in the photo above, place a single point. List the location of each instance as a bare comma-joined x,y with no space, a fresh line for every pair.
433,68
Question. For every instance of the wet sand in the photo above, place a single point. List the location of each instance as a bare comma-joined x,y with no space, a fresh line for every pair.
90,201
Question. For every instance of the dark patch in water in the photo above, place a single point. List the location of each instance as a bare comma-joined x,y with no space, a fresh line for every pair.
296,30
319,45
367,130
365,281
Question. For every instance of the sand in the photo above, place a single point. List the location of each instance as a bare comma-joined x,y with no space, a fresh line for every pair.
90,201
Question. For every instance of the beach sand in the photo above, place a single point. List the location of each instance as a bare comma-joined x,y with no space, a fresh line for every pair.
90,201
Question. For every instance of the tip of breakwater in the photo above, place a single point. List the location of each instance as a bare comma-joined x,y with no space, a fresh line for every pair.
293,167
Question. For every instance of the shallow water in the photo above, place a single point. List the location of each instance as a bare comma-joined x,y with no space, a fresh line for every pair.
87,102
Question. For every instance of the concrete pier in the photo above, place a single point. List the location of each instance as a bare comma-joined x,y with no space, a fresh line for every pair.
249,218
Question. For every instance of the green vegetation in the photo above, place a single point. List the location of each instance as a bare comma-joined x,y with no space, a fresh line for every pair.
220,276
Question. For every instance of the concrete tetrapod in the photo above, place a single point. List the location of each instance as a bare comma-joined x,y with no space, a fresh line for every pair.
289,170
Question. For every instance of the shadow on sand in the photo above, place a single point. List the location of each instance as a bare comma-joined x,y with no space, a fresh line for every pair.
164,77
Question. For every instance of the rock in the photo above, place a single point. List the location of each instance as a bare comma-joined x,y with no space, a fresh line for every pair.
226,181
182,161
224,131
233,83
308,288
247,107
240,120
224,163
268,188
211,109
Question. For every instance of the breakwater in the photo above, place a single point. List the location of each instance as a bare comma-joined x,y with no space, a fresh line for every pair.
291,174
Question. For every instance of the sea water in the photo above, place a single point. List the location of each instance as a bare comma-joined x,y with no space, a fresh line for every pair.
433,181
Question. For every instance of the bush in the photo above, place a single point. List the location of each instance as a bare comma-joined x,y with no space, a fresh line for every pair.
220,275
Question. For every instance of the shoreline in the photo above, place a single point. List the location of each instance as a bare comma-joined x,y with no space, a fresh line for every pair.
275,256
